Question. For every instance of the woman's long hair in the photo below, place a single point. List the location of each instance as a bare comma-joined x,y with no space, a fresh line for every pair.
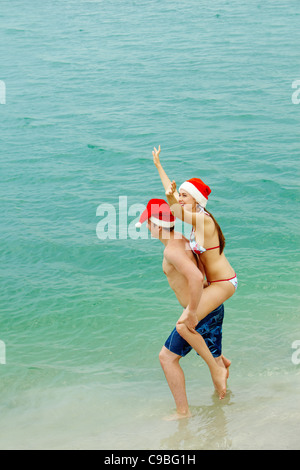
221,236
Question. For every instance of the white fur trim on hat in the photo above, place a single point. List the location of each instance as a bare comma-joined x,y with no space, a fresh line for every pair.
162,223
193,191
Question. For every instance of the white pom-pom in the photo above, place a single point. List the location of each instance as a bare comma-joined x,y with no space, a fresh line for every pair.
138,225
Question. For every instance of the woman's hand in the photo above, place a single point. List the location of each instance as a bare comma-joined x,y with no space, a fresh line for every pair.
171,189
155,154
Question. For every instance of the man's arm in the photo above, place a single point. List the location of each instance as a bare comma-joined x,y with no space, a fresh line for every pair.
181,262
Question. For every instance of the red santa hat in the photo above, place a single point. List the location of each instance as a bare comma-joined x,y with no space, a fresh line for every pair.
158,211
197,189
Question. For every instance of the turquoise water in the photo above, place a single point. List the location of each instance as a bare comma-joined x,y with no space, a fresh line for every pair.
91,87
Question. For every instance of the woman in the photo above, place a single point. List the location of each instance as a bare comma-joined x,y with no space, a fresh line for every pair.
207,241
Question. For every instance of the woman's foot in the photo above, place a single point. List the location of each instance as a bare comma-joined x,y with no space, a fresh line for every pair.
227,364
222,361
220,381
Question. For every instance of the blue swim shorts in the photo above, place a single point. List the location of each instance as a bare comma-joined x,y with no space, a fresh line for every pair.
210,328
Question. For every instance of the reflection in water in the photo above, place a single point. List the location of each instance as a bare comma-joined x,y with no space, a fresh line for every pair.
206,429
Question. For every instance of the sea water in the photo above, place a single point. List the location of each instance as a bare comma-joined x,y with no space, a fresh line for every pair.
88,88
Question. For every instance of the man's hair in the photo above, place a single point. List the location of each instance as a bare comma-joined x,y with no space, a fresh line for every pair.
169,229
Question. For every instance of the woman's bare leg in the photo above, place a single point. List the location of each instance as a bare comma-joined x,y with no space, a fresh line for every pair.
212,297
218,374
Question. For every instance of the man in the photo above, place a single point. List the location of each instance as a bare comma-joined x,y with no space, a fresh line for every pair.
185,276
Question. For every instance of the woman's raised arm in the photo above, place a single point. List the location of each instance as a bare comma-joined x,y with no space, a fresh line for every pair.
163,176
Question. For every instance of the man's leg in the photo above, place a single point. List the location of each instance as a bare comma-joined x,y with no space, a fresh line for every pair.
176,381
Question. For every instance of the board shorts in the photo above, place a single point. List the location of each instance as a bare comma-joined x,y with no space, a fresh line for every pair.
210,328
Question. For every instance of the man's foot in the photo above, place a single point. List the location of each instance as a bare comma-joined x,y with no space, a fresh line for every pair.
176,416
